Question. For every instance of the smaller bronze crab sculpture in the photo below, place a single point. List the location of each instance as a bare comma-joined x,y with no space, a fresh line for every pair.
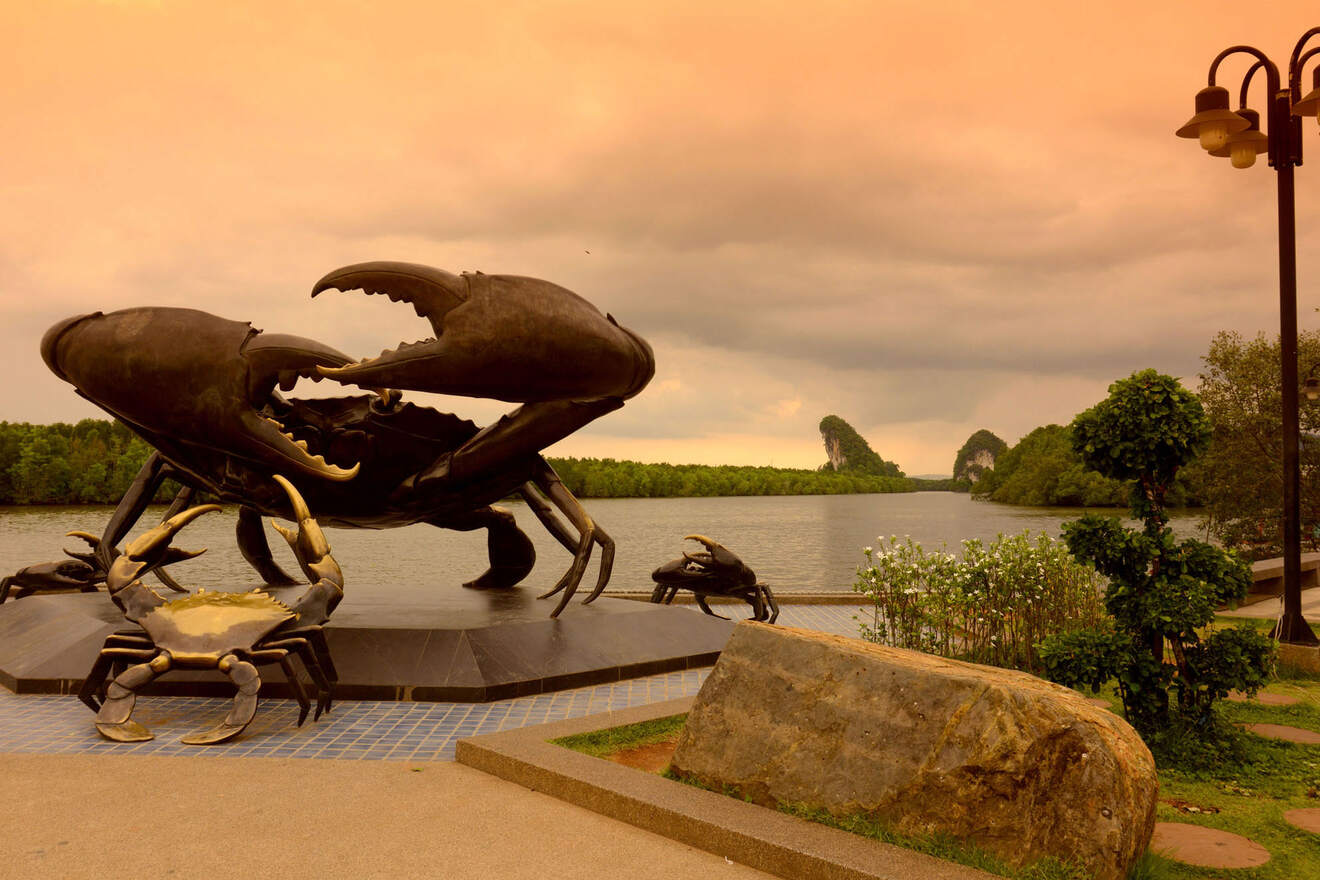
717,572
232,632
76,573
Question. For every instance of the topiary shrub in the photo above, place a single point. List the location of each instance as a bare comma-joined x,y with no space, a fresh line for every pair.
1161,591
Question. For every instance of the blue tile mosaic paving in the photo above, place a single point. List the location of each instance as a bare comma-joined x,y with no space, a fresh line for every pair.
356,730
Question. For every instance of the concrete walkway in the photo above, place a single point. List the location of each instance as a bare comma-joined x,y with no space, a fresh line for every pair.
76,816
369,791
1272,608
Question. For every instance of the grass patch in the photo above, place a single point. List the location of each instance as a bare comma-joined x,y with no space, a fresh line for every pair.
599,743
940,846
1249,794
1262,625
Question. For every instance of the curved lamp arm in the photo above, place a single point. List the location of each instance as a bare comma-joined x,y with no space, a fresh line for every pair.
1271,71
1297,59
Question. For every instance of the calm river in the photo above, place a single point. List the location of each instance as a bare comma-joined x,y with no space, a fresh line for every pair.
801,542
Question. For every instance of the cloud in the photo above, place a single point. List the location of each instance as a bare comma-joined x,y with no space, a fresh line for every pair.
926,218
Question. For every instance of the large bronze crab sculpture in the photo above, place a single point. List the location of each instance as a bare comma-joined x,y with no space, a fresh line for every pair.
232,632
717,572
205,392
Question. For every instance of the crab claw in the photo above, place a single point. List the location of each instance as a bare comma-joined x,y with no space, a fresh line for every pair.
716,552
499,336
188,382
720,557
308,543
152,549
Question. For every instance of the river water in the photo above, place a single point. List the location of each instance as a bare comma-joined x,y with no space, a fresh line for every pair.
795,543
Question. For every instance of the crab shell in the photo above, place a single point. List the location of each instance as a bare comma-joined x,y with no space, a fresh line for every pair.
198,630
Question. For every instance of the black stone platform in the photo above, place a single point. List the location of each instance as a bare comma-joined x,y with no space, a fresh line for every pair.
461,645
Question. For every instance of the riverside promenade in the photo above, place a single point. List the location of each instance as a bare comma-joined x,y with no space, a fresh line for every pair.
371,790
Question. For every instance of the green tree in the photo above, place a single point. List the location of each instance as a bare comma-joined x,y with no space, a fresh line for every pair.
1161,591
1241,473
43,472
1043,469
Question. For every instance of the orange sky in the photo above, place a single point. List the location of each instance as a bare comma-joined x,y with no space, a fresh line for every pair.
925,217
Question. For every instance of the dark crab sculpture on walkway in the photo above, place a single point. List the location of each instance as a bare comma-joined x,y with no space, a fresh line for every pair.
205,392
717,572
232,632
75,573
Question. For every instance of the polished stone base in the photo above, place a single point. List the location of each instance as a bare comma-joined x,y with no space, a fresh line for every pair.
461,646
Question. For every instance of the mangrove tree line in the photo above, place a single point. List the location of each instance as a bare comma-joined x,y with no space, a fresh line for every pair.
94,461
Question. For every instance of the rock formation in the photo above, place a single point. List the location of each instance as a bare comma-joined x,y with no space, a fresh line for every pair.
848,451
977,456
1017,765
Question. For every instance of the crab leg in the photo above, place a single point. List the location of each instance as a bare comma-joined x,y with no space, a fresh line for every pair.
537,504
701,603
303,648
770,601
310,645
281,654
252,544
548,481
113,719
510,552
244,676
324,685
117,648
316,636
155,470
589,535
91,691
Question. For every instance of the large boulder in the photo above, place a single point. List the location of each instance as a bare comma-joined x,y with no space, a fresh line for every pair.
1019,766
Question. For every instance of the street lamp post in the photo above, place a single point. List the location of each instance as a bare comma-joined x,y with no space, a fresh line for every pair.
1237,136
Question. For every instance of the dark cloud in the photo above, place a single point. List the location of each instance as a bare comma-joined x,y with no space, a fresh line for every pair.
910,216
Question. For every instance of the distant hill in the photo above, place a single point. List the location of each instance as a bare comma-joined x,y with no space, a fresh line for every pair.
977,456
849,452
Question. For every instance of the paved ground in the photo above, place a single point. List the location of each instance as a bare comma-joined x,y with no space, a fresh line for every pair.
81,816
1273,608
79,806
83,807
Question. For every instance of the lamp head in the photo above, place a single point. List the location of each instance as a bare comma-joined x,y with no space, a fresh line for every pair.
1309,105
1213,122
1243,147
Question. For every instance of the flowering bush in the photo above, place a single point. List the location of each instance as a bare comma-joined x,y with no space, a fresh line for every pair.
991,606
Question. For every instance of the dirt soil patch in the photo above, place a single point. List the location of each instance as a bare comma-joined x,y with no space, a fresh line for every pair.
1187,806
652,758
1307,819
1285,732
1264,698
1206,847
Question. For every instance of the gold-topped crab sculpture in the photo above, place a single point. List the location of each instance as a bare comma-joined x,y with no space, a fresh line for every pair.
232,632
